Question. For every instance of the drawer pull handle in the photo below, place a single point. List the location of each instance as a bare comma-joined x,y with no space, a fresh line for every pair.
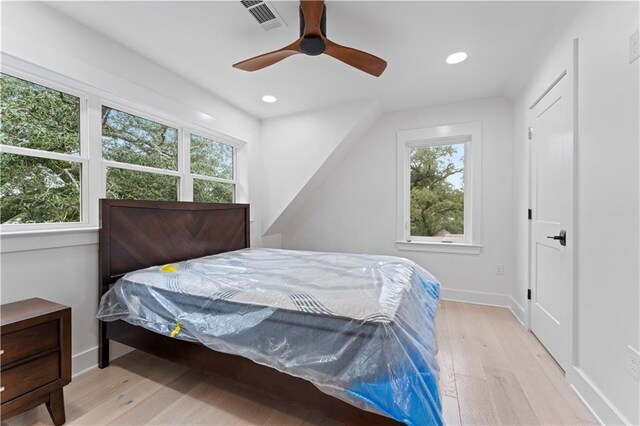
1,388
1,351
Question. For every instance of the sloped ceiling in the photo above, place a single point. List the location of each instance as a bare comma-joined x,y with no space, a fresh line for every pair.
298,151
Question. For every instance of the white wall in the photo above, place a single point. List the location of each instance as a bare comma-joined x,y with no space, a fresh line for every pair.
607,246
297,147
63,267
354,209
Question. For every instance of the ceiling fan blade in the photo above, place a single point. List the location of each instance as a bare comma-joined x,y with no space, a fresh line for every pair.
266,59
356,58
312,12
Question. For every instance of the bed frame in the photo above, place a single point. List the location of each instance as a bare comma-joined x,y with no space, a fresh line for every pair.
138,234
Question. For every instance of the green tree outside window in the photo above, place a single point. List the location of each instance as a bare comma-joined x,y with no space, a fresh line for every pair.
35,189
437,190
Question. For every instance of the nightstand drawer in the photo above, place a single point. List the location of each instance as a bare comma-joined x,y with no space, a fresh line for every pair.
31,375
29,341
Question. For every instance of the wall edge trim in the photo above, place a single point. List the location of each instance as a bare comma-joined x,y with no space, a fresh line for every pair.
594,399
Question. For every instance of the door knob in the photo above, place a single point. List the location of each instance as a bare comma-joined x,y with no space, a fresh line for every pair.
562,237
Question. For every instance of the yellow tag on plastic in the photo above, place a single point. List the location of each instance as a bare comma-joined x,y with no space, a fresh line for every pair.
176,330
168,268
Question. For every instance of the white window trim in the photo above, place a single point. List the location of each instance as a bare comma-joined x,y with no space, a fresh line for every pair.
471,135
93,166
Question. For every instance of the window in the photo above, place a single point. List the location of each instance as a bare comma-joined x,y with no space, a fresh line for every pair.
64,145
438,186
42,157
141,157
436,191
212,170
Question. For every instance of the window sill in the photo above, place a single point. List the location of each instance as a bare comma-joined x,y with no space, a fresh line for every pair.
47,239
439,247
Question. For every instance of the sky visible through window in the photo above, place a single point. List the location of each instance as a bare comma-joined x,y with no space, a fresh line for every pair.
457,180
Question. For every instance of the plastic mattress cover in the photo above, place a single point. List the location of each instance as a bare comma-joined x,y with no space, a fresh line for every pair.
359,327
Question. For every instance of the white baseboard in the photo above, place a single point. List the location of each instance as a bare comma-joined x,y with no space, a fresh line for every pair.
84,361
487,299
602,409
88,359
518,311
475,297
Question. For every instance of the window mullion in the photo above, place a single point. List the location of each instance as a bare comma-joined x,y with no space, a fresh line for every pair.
212,179
468,191
407,193
30,152
138,168
96,183
186,179
236,189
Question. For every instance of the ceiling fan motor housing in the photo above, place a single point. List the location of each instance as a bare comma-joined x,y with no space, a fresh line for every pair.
313,45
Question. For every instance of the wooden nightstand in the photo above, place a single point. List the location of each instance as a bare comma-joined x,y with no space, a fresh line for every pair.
35,356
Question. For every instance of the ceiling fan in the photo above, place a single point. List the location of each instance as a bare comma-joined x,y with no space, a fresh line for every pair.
313,41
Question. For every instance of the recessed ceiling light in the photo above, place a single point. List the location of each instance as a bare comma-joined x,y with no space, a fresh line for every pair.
269,99
456,58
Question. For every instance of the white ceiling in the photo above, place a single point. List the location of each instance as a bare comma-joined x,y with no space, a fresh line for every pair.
201,40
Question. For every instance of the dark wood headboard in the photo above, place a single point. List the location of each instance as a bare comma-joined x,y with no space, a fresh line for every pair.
138,234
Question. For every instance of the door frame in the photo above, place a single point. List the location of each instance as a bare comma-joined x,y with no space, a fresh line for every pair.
564,67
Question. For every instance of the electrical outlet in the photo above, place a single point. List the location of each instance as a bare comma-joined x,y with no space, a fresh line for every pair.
634,46
634,363
499,269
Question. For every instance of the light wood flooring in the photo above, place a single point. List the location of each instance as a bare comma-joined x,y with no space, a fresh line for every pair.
492,372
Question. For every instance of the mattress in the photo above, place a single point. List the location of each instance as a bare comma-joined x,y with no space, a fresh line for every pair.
359,327
367,288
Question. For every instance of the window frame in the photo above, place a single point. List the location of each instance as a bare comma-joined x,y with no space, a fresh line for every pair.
141,113
468,134
214,138
82,158
93,175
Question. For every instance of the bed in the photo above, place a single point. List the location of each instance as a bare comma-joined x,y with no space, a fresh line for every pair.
351,336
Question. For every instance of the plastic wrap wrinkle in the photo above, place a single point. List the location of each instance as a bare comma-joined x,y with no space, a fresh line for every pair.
359,327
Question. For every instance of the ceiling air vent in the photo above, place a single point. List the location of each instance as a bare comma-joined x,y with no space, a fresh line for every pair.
264,13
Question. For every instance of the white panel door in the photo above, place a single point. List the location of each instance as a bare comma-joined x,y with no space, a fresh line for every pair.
552,213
